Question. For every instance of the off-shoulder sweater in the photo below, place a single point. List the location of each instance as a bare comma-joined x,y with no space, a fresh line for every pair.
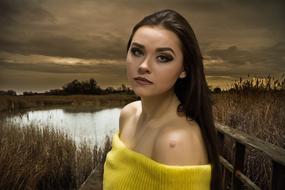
125,169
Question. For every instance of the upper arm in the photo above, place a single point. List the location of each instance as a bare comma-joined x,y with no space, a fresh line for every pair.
180,146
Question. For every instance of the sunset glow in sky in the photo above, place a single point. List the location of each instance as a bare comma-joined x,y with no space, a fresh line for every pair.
47,43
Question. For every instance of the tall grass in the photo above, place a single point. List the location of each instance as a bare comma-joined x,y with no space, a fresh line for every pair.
35,157
258,110
95,178
259,84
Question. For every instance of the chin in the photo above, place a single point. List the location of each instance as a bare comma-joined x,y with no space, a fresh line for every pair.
145,92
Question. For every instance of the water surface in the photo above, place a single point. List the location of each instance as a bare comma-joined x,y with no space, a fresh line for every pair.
89,126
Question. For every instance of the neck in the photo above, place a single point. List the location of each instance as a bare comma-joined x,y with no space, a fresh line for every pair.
157,108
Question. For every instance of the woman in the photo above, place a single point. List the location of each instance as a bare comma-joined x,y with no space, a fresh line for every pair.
167,140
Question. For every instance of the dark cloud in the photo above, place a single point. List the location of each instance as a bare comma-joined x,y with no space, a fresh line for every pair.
237,37
231,54
99,29
51,28
63,68
18,11
234,61
50,44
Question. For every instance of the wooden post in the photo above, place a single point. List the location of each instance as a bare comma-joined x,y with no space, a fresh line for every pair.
238,165
278,176
221,142
221,138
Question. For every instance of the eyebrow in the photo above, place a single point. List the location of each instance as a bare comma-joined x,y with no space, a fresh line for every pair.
157,49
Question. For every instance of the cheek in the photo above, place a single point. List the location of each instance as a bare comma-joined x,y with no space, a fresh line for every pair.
169,76
166,81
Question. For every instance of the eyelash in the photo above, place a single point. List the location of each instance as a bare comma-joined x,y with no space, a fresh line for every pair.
167,58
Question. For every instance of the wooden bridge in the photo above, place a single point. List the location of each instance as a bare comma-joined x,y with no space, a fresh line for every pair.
233,173
233,176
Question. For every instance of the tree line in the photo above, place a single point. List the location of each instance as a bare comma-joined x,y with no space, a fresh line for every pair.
91,87
79,87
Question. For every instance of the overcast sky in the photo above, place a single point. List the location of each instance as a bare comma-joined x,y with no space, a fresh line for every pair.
47,43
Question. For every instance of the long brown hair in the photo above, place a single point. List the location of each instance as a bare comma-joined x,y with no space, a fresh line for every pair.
192,91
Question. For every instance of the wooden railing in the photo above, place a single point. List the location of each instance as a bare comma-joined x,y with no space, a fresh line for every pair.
236,169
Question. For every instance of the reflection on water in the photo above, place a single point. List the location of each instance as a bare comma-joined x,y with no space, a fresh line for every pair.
89,126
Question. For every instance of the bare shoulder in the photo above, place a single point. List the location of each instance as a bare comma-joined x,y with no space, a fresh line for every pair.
125,114
180,145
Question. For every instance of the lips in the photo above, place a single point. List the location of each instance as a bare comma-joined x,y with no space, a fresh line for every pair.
142,80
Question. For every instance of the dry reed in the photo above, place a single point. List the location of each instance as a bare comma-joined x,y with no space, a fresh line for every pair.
34,157
257,108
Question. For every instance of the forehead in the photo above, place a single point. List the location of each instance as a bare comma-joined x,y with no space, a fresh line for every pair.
156,36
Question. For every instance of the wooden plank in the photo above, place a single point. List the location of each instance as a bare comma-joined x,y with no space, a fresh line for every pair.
274,152
94,180
247,181
229,167
227,170
226,164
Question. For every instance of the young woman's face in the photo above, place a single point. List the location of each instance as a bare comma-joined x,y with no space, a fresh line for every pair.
155,54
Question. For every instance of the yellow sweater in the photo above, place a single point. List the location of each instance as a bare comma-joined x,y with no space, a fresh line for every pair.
125,169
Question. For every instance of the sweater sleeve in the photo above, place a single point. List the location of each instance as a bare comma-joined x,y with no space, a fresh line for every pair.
125,169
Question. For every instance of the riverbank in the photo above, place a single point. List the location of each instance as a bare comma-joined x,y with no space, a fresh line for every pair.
18,103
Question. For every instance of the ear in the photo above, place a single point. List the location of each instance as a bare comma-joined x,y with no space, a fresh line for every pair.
182,74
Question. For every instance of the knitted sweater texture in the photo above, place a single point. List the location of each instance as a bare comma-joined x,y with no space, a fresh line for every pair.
125,169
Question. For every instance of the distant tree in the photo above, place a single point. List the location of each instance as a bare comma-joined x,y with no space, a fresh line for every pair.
56,92
74,87
82,87
109,90
119,89
93,85
232,90
8,92
85,86
217,90
124,88
28,93
11,92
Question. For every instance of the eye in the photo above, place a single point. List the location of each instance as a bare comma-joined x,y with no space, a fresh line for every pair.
165,58
136,51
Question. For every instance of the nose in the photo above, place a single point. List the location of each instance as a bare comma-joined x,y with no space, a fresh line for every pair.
144,66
